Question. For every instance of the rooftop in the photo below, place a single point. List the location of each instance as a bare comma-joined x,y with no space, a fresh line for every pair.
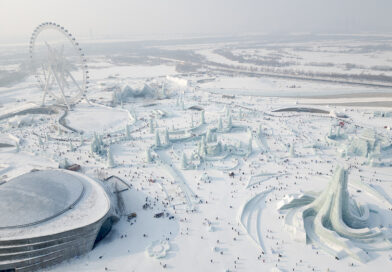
37,196
50,201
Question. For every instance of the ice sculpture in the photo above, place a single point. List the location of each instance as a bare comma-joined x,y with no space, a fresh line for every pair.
220,124
210,136
151,125
382,114
64,164
335,135
367,144
70,146
214,149
40,142
164,94
292,151
202,146
97,146
184,161
335,222
205,178
356,147
202,118
376,162
227,111
157,139
110,160
250,149
59,131
167,139
259,131
158,249
148,155
127,132
229,121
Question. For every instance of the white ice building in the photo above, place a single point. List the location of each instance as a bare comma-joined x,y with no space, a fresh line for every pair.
336,222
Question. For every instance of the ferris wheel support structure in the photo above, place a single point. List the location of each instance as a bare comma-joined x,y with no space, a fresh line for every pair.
55,70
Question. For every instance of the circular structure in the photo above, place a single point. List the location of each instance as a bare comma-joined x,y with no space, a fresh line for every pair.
50,216
91,119
59,64
32,199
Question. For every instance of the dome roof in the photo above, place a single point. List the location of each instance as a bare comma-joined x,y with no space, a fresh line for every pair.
36,197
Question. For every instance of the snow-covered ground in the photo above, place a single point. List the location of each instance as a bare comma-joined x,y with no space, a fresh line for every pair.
97,118
254,86
218,172
132,71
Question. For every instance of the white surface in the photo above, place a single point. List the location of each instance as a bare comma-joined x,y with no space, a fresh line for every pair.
221,199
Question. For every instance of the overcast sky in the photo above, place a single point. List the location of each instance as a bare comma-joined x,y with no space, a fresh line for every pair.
168,18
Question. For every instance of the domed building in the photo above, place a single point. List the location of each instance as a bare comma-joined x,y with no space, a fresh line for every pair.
49,216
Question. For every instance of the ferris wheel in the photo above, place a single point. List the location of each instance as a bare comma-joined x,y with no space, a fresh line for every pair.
59,64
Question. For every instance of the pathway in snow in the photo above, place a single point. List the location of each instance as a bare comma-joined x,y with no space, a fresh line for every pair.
179,182
257,179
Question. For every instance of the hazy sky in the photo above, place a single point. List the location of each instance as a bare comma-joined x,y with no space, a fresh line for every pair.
136,18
